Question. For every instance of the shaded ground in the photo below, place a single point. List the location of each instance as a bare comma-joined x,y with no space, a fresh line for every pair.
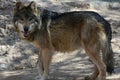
72,67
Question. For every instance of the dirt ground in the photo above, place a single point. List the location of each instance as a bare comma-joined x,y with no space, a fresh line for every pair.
71,66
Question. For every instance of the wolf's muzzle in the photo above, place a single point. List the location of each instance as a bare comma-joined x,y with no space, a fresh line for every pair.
25,29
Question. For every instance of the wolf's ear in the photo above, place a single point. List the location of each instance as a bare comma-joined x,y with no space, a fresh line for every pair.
18,6
33,7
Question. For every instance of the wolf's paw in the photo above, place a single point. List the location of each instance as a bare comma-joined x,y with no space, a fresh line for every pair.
39,78
88,78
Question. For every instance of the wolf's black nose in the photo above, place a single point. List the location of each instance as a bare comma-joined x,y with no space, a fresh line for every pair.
26,29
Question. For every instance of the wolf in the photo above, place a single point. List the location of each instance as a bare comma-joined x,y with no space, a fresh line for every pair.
65,32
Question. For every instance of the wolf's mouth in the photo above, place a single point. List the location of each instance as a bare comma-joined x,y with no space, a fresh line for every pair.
26,34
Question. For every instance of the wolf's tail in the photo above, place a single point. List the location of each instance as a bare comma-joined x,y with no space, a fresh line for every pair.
108,56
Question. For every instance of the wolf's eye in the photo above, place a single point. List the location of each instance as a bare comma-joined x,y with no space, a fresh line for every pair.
20,21
30,19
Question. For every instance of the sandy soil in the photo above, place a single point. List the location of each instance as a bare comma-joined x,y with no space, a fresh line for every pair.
73,66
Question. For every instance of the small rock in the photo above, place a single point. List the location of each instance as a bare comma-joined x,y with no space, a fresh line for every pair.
3,66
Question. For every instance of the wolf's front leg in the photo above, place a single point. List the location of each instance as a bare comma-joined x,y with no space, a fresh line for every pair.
43,64
41,76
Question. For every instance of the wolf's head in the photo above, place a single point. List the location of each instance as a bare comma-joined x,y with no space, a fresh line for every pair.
26,19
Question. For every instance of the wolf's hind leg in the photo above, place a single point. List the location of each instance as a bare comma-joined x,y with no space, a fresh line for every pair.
94,54
94,75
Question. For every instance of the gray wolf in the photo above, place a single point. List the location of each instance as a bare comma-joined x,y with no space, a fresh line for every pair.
51,31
